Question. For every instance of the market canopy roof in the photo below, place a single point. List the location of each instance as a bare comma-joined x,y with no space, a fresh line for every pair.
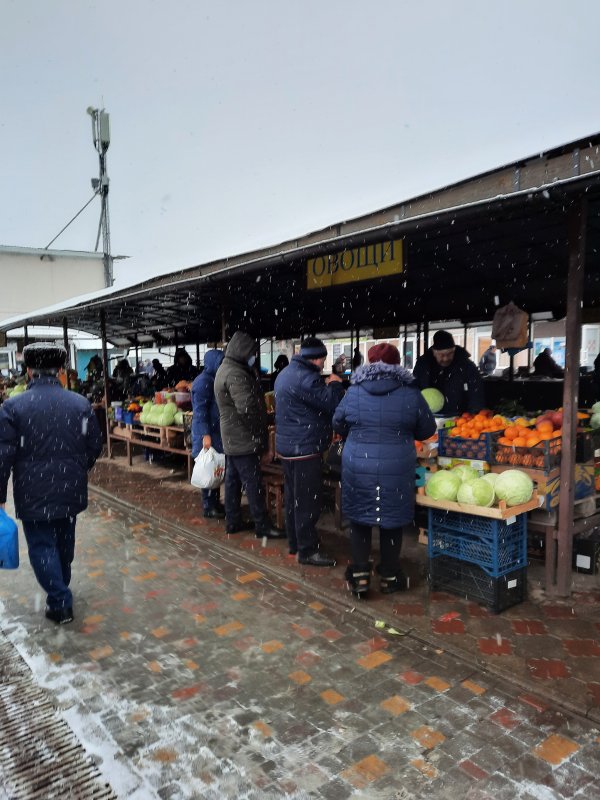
474,245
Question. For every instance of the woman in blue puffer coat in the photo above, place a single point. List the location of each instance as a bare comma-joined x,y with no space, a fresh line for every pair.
381,415
206,428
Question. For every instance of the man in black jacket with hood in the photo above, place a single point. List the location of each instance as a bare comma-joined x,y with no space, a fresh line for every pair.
448,368
243,421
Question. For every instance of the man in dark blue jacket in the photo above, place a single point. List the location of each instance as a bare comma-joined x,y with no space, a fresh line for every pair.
49,439
206,428
448,368
304,407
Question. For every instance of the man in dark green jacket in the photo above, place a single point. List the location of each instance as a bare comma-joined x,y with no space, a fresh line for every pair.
244,432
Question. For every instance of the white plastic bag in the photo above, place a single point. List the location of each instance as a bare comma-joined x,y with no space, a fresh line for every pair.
209,469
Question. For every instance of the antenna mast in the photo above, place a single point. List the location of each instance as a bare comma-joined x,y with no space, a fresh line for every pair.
101,137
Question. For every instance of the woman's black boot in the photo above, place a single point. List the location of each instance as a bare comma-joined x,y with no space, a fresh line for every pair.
395,582
358,577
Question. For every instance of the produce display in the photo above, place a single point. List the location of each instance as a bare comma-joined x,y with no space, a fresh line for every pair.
463,485
161,415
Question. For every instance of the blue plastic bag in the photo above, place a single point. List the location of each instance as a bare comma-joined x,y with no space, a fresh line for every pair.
9,542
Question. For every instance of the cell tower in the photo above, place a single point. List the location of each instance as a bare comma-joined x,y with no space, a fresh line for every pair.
101,137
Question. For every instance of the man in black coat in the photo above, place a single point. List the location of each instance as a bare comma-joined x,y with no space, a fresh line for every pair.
304,408
447,367
49,439
243,420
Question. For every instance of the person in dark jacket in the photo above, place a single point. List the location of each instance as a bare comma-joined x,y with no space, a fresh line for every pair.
182,369
381,415
49,439
304,406
281,362
447,367
545,365
206,429
159,374
243,420
487,362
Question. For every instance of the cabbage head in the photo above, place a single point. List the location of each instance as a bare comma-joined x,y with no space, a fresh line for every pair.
491,478
514,487
443,485
595,420
434,399
466,473
476,493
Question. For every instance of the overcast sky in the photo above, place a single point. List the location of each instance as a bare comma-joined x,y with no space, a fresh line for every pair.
236,125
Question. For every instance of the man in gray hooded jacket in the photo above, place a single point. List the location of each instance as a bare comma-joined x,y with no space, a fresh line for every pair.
244,432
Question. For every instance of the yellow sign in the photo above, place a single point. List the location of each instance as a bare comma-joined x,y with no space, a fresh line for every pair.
363,263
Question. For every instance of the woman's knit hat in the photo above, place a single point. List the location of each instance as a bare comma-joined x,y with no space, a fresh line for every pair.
384,352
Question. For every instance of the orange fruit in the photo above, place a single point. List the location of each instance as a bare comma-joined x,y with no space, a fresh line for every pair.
545,426
511,432
520,441
532,441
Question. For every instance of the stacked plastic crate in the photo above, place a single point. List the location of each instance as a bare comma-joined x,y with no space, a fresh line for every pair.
481,558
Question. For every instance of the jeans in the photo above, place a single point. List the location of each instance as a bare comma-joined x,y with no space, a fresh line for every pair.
210,499
243,472
51,545
302,492
390,543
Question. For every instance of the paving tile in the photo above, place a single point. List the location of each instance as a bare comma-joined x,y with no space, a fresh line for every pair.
555,749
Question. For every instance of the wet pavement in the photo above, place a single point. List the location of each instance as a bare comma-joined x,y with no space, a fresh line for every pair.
545,646
198,668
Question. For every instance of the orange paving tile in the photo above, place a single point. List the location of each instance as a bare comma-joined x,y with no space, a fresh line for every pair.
263,728
374,659
147,576
240,596
332,697
427,737
395,705
190,664
229,627
427,769
365,771
205,578
55,657
300,677
164,755
555,749
316,606
250,576
272,646
437,683
473,687
159,632
101,652
95,618
154,666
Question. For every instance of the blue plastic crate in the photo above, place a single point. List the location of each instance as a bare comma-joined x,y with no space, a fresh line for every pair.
491,544
495,557
475,525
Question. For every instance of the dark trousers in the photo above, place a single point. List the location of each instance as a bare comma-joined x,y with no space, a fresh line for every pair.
51,545
302,493
243,472
390,544
210,499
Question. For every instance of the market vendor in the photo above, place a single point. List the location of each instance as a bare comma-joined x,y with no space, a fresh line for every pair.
448,367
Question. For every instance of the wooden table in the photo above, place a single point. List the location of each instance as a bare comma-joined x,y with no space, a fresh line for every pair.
166,439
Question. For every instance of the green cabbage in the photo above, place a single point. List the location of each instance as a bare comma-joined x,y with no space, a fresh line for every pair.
434,399
465,473
514,487
483,492
595,420
443,485
491,478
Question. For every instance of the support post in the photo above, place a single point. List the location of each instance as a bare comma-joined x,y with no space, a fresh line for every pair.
105,371
405,345
25,336
418,339
529,341
66,344
425,336
575,282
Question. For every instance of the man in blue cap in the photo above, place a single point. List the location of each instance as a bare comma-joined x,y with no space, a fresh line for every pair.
304,406
49,439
